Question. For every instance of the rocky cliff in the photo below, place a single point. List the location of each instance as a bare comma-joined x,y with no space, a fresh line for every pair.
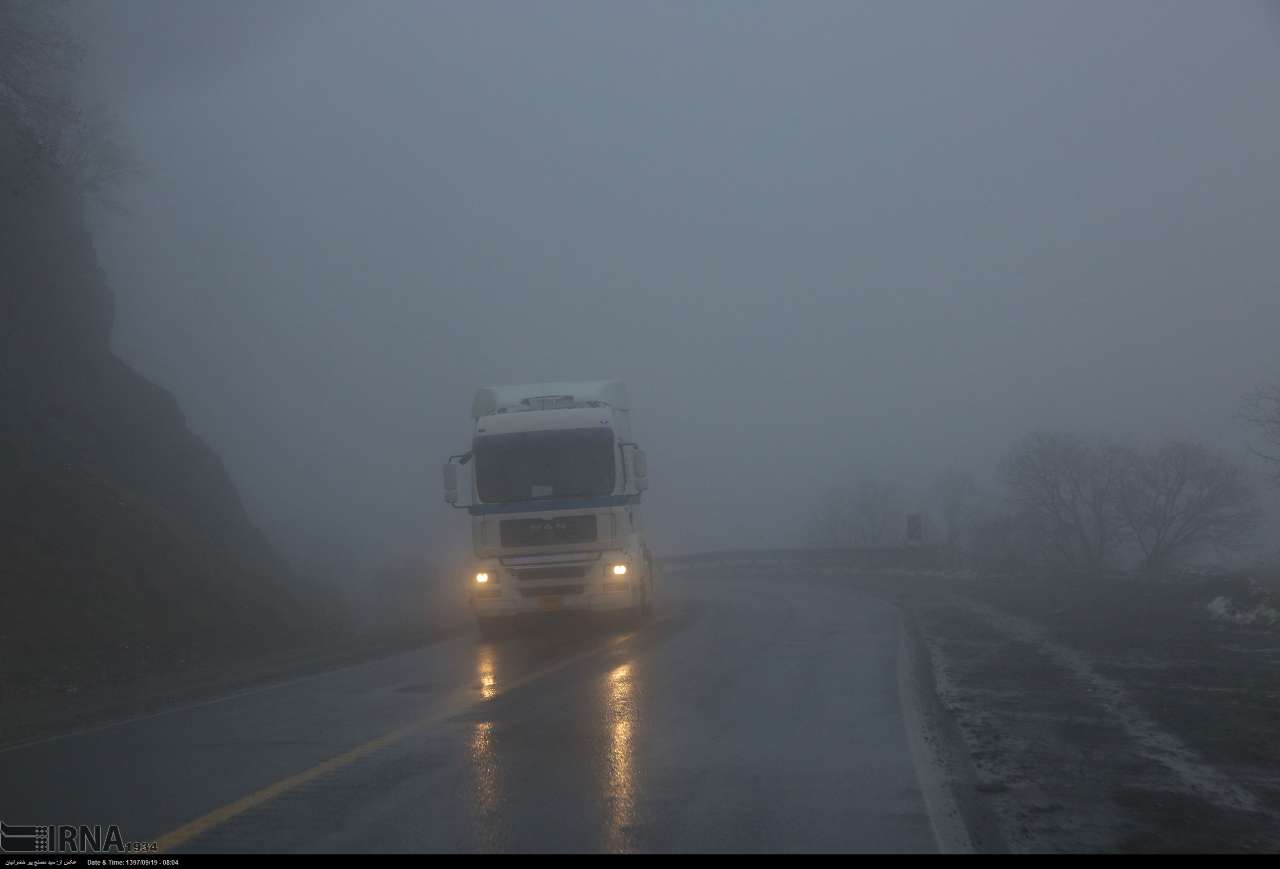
120,531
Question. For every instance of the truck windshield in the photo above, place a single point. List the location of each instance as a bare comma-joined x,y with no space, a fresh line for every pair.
523,466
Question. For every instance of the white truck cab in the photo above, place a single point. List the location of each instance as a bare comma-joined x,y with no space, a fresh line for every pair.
553,483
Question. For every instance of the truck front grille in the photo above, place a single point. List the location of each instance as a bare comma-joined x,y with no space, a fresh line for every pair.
557,530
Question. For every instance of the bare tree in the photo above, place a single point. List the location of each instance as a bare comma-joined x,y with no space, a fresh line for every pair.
40,97
832,517
1066,490
38,61
92,152
877,512
1262,409
856,515
957,496
1184,497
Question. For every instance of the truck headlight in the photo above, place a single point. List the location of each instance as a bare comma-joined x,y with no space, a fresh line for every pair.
482,578
619,570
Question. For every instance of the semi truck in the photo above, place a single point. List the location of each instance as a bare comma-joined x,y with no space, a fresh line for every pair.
553,483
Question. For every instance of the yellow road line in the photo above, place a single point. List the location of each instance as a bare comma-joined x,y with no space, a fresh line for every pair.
203,824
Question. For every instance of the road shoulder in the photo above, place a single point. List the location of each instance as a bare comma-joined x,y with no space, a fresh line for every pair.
1089,736
962,822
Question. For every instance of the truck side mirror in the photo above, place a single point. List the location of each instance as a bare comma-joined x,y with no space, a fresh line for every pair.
641,467
450,483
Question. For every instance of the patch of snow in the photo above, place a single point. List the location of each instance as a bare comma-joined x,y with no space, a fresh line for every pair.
1156,743
1223,609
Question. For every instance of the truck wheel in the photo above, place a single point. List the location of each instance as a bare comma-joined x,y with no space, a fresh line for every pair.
646,602
642,610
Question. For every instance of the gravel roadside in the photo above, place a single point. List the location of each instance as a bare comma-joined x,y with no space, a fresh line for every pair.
1113,714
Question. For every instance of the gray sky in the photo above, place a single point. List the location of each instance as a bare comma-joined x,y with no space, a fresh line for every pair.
815,238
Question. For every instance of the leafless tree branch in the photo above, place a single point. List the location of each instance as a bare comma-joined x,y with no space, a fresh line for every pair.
1262,410
1183,497
1065,489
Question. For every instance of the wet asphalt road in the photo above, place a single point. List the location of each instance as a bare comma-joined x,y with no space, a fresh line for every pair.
752,714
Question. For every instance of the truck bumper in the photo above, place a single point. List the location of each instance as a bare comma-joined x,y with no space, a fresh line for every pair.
521,601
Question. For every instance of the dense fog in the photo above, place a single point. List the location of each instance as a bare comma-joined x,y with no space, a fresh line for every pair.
817,240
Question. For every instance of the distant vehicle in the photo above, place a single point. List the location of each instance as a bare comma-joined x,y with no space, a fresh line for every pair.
554,485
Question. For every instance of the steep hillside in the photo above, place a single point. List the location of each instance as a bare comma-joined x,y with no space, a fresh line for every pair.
120,531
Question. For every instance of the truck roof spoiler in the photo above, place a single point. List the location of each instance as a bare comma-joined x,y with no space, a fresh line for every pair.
549,396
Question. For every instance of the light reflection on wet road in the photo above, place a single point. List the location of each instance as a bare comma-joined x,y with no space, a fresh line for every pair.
619,786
